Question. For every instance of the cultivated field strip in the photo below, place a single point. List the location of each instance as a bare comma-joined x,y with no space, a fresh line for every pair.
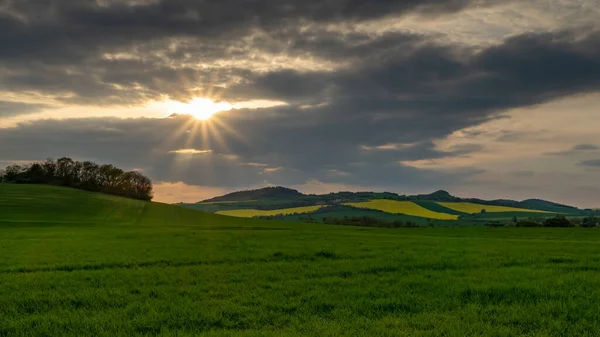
403,207
249,213
470,208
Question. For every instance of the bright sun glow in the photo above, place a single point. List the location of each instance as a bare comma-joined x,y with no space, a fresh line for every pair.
201,108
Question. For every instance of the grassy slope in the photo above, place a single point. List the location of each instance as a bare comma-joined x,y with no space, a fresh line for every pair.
75,263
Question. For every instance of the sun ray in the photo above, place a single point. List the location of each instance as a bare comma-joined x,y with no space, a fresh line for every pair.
180,131
217,136
227,128
205,134
192,133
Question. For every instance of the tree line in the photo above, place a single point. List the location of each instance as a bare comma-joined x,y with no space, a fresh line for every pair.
83,175
558,221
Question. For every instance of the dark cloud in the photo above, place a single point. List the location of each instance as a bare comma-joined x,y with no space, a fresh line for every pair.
533,68
426,92
427,77
63,51
79,28
576,149
586,147
590,163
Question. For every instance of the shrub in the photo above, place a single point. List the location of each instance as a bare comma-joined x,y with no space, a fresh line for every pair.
558,221
528,223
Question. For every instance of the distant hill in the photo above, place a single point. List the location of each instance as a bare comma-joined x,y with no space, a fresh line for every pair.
440,195
536,204
295,198
439,208
280,192
263,193
544,203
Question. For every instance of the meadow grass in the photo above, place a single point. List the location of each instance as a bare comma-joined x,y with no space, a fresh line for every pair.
403,207
470,208
249,213
82,264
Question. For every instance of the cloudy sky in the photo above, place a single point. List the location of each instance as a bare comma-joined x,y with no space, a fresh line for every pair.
483,98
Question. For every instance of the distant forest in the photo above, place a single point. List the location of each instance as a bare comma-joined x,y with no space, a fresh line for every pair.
84,175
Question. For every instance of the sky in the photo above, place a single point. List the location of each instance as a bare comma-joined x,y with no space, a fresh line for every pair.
488,99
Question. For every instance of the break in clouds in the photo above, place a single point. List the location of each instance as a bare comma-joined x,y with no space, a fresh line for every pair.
366,90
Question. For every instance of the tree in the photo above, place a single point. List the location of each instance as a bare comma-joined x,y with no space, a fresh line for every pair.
88,176
49,167
590,221
35,174
12,173
65,168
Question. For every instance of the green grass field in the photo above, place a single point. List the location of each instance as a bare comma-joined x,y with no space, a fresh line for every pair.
80,264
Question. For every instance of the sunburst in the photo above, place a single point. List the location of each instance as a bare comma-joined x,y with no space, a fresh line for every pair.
201,108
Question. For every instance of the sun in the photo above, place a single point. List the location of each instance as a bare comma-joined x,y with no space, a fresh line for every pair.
201,108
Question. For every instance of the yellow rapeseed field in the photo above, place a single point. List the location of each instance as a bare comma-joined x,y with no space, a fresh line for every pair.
249,213
403,207
468,207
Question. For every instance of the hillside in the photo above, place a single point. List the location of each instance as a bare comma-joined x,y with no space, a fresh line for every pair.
42,205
